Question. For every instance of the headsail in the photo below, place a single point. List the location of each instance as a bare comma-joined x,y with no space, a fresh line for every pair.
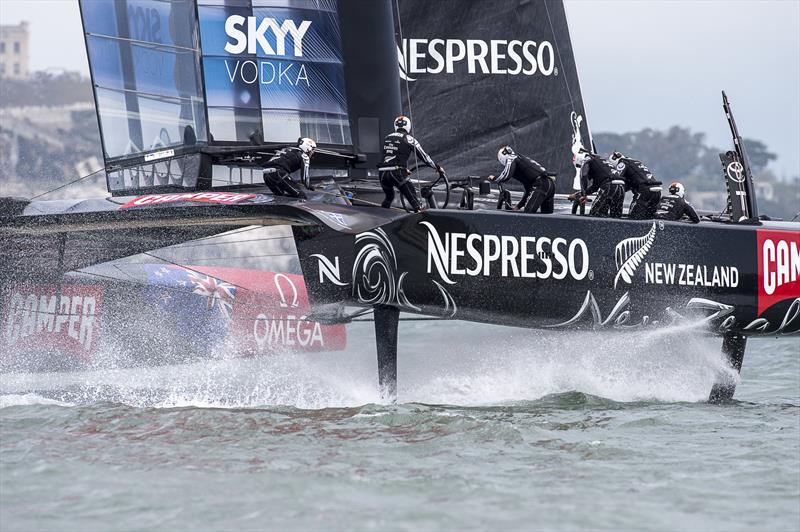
481,74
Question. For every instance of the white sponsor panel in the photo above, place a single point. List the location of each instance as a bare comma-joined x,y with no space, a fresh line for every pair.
472,254
286,330
496,57
691,275
250,34
40,315
781,260
329,270
255,36
163,154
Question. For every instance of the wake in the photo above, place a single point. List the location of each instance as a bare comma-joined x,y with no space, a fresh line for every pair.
438,363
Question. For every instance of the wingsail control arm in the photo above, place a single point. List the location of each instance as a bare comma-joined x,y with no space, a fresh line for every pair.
742,204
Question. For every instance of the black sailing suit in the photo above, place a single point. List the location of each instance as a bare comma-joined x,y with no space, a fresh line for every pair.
278,170
398,147
646,189
608,184
540,186
674,208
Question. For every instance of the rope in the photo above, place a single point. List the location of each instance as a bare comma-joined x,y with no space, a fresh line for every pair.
408,90
68,184
558,53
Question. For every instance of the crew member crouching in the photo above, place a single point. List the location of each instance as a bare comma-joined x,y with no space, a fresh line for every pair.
540,185
398,147
605,181
278,170
638,179
674,207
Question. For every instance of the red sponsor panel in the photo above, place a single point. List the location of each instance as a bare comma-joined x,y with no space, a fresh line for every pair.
224,198
778,267
270,310
40,316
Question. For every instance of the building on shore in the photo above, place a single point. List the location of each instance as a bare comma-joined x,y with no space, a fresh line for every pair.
14,51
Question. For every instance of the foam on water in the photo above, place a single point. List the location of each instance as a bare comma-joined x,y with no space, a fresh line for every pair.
481,365
28,399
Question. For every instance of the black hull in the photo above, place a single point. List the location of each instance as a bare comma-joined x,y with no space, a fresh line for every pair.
554,271
557,271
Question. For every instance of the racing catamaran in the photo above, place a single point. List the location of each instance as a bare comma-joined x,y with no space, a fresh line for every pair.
193,97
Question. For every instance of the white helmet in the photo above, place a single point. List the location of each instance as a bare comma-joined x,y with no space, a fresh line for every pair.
402,123
579,158
615,158
677,189
504,153
306,145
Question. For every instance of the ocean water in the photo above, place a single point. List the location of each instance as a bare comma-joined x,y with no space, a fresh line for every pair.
494,428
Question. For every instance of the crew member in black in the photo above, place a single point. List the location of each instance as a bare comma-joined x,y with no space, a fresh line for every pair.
540,185
606,182
674,207
398,147
278,170
638,179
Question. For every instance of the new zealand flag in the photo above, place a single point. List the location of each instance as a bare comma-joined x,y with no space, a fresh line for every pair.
198,307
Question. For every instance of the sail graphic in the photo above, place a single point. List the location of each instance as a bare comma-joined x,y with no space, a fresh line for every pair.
274,69
485,73
630,253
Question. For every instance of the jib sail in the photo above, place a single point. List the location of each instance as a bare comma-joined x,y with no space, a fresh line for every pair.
481,74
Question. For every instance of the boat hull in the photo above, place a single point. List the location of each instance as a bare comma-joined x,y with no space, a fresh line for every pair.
564,272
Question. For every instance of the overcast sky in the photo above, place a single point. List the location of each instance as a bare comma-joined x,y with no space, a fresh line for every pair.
641,63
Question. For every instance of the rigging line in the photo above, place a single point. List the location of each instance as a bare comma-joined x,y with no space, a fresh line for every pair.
183,246
68,184
241,257
558,52
220,235
136,282
408,87
175,247
193,270
408,319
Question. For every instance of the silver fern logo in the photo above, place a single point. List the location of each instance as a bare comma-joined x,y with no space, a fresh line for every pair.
630,253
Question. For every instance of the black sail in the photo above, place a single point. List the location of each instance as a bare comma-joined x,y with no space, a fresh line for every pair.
481,74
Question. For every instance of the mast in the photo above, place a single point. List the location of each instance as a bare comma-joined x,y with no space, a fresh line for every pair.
371,75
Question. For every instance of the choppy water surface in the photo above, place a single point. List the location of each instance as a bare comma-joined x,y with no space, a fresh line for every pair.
495,428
